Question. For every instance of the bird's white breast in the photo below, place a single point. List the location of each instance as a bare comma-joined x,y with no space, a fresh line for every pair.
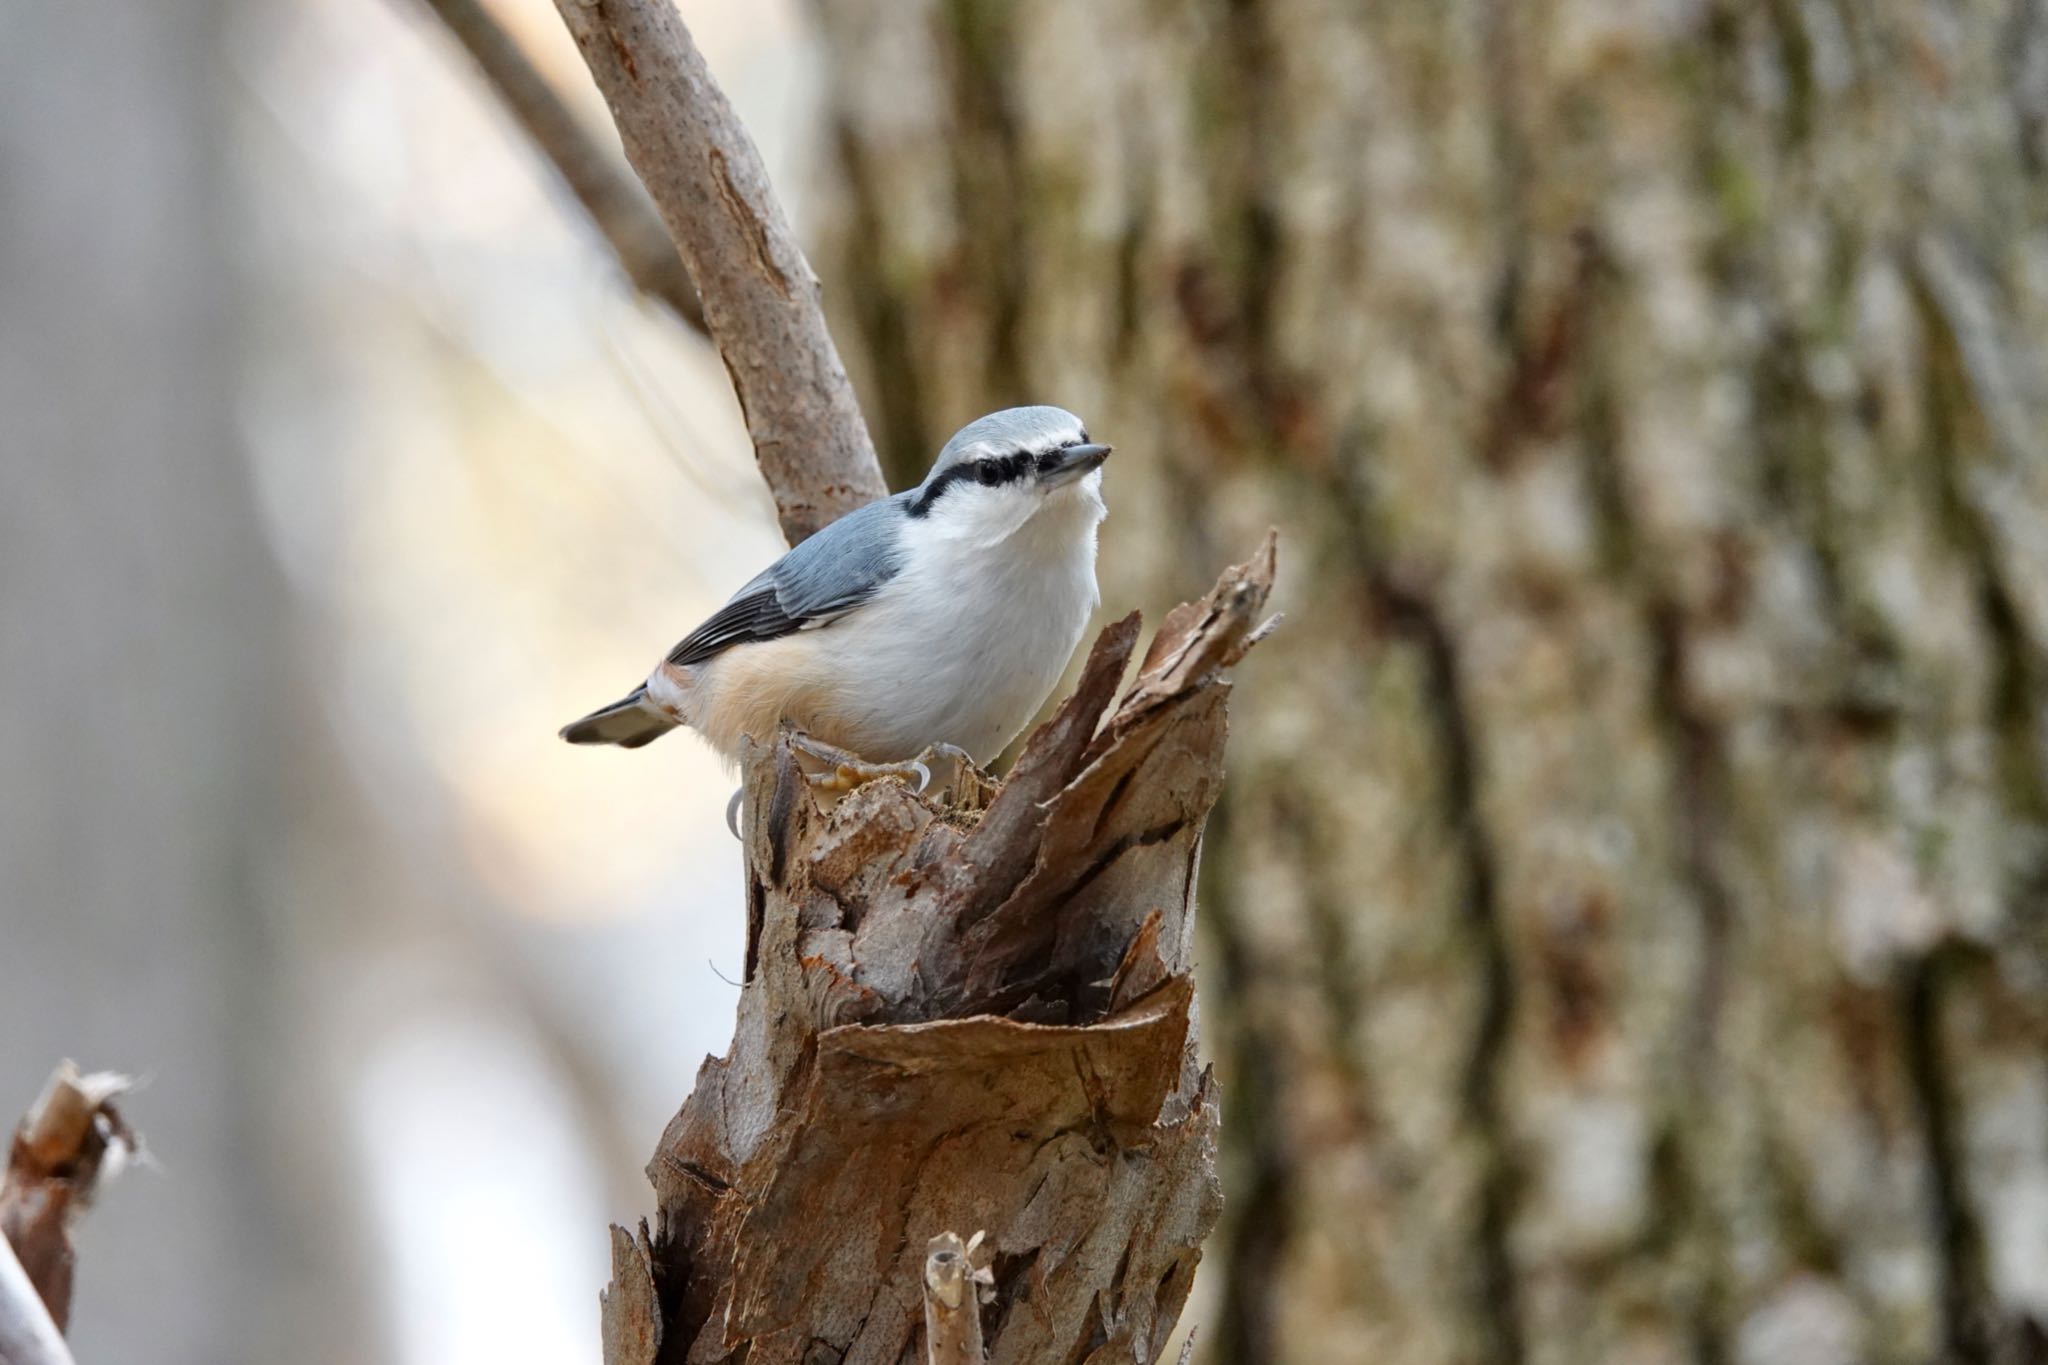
962,646
971,636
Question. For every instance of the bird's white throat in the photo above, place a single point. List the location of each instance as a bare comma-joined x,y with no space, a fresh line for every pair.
1041,522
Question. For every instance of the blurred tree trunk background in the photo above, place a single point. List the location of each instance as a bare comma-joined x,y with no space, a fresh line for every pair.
1628,916
143,642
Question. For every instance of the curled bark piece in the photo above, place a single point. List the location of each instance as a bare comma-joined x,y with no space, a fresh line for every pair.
71,1139
953,1290
616,203
968,1018
761,301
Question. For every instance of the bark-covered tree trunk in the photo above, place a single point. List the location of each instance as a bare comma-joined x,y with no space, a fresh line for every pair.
1629,914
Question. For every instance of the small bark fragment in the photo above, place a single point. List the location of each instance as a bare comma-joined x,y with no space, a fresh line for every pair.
71,1139
632,1317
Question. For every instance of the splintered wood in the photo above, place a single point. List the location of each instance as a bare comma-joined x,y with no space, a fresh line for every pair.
70,1141
71,1138
953,1291
957,1023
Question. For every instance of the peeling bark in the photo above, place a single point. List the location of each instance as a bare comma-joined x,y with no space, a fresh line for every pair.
632,1314
963,1017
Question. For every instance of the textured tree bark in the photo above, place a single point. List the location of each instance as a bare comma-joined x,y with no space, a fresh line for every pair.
761,301
961,1017
1630,905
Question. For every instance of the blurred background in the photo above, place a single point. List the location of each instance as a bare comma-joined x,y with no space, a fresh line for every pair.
1626,926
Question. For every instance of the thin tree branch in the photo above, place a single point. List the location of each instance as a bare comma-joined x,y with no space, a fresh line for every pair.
27,1334
760,298
615,201
952,1301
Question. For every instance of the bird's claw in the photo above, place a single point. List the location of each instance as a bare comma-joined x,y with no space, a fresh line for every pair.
732,812
844,771
844,776
962,760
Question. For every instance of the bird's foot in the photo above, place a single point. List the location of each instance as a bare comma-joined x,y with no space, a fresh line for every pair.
843,771
732,812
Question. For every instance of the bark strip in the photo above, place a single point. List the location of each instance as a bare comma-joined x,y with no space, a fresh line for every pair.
632,1316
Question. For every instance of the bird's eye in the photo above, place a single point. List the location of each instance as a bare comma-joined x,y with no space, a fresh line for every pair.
988,474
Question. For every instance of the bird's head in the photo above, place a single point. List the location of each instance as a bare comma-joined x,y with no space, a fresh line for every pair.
1003,470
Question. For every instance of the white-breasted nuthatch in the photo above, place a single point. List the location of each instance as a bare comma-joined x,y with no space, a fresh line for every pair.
940,616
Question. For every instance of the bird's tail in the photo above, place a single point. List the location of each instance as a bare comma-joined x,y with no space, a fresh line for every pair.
629,722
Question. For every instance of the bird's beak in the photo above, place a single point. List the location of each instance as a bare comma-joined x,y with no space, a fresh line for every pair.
1070,463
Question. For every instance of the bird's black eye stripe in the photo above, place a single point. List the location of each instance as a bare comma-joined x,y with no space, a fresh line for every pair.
1008,469
990,473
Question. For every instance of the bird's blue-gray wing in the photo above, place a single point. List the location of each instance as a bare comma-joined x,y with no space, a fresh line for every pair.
814,584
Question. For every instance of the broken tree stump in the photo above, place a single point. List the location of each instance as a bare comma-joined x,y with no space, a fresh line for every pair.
957,1016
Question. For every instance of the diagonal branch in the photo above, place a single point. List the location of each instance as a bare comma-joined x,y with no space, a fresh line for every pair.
614,200
760,298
